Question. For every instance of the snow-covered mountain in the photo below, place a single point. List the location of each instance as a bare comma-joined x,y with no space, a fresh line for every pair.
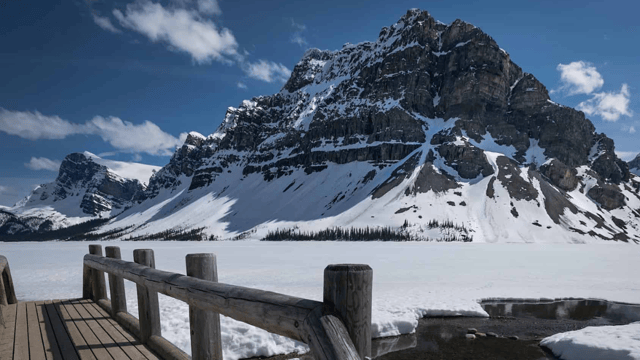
431,124
634,165
87,187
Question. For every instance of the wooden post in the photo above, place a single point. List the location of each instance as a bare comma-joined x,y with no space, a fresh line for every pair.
206,341
348,293
148,307
97,277
7,291
87,284
116,284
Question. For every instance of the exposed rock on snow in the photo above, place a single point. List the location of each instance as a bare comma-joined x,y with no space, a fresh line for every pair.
424,115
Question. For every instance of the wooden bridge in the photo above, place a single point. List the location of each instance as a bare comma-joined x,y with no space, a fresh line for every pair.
97,327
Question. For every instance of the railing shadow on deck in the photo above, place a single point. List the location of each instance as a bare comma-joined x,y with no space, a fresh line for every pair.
338,328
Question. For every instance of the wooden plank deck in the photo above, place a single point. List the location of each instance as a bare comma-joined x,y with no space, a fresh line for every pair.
65,329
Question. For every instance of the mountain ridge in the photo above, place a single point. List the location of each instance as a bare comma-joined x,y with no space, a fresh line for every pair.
428,114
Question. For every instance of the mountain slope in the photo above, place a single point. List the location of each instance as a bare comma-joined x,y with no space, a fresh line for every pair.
431,124
86,188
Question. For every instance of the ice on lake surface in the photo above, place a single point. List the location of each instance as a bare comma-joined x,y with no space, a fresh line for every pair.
410,280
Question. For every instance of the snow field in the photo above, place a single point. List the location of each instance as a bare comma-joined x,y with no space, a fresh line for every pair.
595,343
411,280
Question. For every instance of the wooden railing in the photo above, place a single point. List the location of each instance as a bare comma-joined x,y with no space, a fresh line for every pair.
7,292
337,328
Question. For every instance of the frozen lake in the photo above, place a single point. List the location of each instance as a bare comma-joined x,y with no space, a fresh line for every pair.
411,280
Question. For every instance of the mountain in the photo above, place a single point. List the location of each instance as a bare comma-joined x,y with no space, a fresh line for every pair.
634,165
87,187
432,131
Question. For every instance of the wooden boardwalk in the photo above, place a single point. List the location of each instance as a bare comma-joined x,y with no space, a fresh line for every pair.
65,329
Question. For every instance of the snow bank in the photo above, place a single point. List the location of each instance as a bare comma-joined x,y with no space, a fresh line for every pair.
595,343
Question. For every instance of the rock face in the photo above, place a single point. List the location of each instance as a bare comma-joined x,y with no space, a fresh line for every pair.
83,190
426,117
634,165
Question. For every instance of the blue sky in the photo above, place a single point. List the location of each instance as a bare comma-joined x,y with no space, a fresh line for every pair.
126,79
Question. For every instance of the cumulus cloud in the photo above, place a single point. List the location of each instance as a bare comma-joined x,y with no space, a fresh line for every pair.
242,85
42,163
105,24
632,130
122,135
181,29
267,71
579,77
609,105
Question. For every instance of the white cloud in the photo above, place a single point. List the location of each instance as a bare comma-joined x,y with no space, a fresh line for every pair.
35,126
296,38
181,29
42,163
579,77
136,158
267,71
632,130
209,7
122,135
242,85
3,189
610,106
105,24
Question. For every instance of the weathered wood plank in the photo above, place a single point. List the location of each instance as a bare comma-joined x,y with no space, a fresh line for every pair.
116,284
49,342
7,332
21,344
285,313
91,340
328,338
7,291
97,277
148,306
127,335
36,348
348,292
67,350
206,339
101,335
126,345
75,334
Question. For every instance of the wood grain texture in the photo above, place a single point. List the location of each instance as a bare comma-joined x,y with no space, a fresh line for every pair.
84,328
36,347
148,306
7,291
21,342
328,337
206,339
126,334
101,335
116,284
276,313
7,331
65,345
348,293
97,277
49,342
75,334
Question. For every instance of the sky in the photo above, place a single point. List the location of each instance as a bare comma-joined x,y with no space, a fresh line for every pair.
128,79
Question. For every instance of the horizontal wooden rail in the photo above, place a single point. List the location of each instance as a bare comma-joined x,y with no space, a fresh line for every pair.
7,291
330,328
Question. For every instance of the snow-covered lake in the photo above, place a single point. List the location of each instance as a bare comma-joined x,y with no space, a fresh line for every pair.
410,279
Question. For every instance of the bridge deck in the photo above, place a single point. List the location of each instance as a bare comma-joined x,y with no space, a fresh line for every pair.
65,329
